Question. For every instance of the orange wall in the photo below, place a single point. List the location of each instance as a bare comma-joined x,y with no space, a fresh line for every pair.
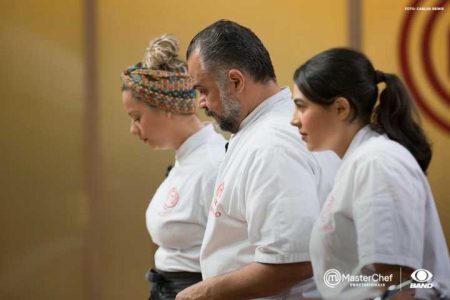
43,206
42,194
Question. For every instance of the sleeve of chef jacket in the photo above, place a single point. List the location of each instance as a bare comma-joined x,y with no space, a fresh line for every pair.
388,211
281,205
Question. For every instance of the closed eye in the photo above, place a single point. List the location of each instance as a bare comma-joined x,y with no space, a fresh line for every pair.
200,89
300,104
135,119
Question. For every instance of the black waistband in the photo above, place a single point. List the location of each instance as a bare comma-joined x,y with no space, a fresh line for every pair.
155,275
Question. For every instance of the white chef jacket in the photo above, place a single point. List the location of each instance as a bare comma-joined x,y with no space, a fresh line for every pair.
176,216
380,210
266,195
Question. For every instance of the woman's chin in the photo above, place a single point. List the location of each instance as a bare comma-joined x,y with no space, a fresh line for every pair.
152,146
158,147
314,148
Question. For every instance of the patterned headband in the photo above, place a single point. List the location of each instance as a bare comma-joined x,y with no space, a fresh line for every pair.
169,91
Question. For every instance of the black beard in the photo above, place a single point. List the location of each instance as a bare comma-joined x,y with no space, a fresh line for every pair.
224,124
210,113
229,125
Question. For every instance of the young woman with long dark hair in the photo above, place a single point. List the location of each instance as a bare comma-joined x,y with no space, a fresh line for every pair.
380,217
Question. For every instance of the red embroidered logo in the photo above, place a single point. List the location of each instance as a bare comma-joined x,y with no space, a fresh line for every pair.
172,199
213,209
325,216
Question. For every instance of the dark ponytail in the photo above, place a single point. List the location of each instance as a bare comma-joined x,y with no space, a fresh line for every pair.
396,115
341,72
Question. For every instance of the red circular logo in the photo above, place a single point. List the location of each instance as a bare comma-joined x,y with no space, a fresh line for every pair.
172,198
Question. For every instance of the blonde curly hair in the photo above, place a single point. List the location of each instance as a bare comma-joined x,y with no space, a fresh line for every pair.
162,54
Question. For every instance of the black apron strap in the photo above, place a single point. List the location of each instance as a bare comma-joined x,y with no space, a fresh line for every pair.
165,285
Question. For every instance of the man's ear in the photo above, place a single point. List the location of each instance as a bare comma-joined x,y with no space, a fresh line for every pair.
342,108
237,80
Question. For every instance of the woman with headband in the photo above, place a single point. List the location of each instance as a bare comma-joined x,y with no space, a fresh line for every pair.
380,217
158,96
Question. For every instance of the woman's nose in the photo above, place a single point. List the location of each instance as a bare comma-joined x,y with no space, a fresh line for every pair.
202,101
296,121
133,129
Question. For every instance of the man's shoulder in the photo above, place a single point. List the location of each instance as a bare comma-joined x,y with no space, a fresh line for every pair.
275,132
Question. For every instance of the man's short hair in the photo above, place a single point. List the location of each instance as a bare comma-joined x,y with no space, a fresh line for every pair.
225,45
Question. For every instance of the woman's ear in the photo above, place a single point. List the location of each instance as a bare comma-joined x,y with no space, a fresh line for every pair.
342,107
237,80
